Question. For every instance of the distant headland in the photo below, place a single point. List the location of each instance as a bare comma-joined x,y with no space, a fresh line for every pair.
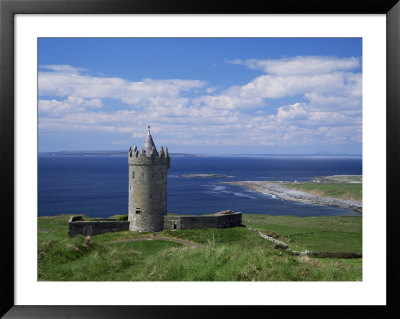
337,190
106,153
123,153
203,175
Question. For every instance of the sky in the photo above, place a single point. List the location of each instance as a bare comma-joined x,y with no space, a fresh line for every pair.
201,95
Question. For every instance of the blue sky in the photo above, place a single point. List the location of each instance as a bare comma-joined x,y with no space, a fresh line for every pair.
204,95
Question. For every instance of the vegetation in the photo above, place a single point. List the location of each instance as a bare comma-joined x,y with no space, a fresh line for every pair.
316,233
355,178
347,191
122,217
231,254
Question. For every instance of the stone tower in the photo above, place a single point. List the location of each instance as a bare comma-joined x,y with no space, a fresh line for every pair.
147,186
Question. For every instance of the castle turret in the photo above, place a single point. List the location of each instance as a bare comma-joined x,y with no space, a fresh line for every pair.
147,186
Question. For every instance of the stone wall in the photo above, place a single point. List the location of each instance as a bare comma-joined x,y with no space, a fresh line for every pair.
89,228
95,227
229,220
196,222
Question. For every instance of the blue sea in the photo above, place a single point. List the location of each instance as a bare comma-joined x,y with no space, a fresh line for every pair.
98,185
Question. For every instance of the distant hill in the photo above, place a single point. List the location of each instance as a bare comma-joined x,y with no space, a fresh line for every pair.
125,152
104,153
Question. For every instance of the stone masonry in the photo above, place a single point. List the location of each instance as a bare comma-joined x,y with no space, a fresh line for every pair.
224,220
95,227
147,187
171,222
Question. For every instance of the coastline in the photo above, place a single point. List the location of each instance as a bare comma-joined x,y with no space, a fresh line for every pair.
282,192
203,175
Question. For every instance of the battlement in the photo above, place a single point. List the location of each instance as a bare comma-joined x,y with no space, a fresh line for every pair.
141,158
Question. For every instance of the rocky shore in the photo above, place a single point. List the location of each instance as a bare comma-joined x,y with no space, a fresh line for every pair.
285,193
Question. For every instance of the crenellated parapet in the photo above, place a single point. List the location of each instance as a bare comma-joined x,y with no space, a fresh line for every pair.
155,158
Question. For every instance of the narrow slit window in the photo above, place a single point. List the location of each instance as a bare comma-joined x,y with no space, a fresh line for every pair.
133,174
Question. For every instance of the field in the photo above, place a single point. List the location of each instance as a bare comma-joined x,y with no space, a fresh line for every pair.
347,191
232,254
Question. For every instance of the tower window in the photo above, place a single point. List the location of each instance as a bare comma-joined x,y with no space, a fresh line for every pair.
138,211
133,174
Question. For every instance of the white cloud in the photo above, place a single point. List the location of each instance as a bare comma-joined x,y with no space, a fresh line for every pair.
301,65
273,86
291,112
62,68
211,90
325,105
339,101
230,99
325,81
71,104
64,83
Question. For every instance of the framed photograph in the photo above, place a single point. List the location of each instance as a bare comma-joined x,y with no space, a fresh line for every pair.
296,87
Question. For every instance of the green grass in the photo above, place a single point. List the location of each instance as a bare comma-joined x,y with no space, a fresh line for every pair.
348,191
356,178
235,235
233,263
317,233
74,260
231,254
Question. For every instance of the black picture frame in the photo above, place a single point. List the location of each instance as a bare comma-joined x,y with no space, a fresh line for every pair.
8,8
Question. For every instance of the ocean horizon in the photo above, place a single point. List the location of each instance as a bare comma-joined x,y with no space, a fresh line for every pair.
124,152
96,184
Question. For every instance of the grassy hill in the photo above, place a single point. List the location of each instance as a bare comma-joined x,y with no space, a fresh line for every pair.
231,254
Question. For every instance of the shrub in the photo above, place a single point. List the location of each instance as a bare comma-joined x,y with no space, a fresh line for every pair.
76,218
122,218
